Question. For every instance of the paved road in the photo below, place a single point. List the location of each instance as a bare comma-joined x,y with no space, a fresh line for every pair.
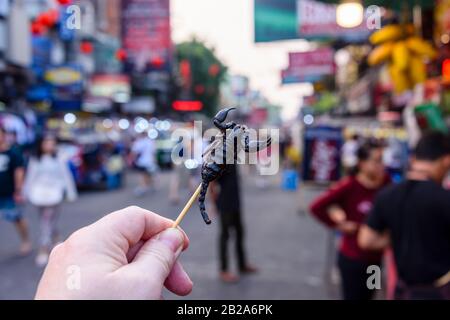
289,248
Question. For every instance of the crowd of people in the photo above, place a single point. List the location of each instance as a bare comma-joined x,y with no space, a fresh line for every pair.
44,180
411,218
375,215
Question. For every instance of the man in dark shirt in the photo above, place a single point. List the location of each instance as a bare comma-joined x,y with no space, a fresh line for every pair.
228,203
415,215
11,182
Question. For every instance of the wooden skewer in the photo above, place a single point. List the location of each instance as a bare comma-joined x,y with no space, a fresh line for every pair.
187,207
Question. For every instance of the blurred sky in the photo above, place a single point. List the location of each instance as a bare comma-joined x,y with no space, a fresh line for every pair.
227,26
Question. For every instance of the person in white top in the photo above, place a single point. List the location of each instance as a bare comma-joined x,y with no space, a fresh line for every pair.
48,181
143,153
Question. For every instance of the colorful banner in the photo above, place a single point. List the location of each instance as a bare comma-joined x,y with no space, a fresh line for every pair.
66,33
301,19
41,49
67,87
318,20
275,20
322,161
309,66
146,34
109,85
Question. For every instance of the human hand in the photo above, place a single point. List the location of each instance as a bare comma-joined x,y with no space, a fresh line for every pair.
347,227
129,254
337,215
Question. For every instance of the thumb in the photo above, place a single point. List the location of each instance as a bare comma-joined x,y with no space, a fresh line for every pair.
158,255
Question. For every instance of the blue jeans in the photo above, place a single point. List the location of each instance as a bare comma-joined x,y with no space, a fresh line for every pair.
9,210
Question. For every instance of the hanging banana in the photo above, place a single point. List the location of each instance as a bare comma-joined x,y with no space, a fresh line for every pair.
381,53
405,54
388,33
421,47
418,70
399,78
400,55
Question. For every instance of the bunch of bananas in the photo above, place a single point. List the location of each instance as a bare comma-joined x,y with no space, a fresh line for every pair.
405,53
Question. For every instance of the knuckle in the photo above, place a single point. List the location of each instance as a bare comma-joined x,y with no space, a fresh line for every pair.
77,239
57,251
134,208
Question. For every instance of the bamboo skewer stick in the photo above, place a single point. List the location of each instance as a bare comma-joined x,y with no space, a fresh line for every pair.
187,207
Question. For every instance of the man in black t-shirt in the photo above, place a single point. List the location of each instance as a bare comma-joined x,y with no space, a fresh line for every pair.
414,216
226,192
11,182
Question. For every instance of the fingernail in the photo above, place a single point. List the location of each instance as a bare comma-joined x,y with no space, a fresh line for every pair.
173,238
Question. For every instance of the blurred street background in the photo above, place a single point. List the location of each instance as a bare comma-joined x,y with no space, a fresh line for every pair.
93,92
289,247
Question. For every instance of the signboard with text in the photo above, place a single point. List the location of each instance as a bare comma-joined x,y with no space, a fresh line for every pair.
322,147
108,85
66,85
309,66
146,34
318,20
301,19
275,20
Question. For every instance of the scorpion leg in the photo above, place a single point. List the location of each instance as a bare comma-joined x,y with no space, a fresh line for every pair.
201,201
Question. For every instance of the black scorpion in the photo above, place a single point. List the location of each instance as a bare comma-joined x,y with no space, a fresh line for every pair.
224,150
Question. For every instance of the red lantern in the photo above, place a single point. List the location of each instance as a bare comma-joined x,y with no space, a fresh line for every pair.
185,69
86,47
157,62
44,19
48,19
446,69
53,15
121,55
37,28
199,89
214,70
64,2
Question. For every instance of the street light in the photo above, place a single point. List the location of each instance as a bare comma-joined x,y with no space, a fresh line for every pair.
70,118
349,13
124,124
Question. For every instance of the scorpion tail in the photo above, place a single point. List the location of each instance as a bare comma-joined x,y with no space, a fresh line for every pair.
201,202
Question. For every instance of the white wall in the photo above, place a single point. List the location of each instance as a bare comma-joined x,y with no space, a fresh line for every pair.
19,36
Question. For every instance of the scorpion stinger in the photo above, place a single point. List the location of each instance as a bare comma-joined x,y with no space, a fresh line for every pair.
220,118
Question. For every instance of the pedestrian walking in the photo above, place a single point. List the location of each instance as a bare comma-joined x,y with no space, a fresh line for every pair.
48,181
11,184
143,152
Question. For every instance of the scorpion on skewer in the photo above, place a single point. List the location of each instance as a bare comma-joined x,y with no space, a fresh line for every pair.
232,139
